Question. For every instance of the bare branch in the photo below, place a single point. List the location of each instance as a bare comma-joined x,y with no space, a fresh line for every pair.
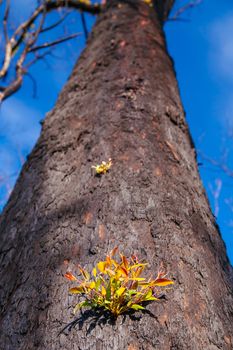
54,25
55,42
8,50
24,36
38,57
5,20
49,5
84,24
219,164
163,8
34,85
184,8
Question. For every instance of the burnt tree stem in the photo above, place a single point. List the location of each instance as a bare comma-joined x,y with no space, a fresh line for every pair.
121,101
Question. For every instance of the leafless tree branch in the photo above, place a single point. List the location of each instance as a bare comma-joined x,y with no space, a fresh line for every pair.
56,24
24,38
219,164
84,24
53,43
181,10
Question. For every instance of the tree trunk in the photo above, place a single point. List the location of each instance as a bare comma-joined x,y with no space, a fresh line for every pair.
121,101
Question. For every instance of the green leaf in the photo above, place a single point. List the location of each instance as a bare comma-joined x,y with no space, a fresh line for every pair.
132,292
97,284
120,291
150,298
137,307
79,305
108,292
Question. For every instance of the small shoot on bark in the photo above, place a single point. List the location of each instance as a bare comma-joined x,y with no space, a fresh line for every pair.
117,285
102,168
149,2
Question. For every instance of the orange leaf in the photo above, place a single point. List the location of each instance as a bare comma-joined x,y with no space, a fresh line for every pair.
108,260
123,270
162,282
113,252
70,277
125,261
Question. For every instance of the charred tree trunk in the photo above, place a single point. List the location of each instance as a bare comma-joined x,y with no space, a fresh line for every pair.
121,101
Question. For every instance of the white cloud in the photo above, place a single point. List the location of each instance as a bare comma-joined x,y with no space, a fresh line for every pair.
19,123
19,130
221,46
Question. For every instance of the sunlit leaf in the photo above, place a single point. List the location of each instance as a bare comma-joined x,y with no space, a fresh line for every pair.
124,261
103,291
116,285
137,307
97,284
76,290
70,277
162,282
101,266
123,271
120,291
151,299
92,285
94,272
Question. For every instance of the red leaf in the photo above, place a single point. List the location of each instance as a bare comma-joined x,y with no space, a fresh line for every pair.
70,277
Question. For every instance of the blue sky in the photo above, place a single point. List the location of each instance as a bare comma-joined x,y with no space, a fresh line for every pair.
202,48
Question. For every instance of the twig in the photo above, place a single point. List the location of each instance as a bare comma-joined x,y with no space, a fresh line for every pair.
19,36
54,25
218,164
53,43
84,24
184,8
34,85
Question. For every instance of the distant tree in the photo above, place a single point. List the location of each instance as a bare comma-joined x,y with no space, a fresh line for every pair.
121,101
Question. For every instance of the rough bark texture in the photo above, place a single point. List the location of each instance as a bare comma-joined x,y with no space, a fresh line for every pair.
121,101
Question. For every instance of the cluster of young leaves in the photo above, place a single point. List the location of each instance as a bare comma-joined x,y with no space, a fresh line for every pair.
149,2
103,167
117,286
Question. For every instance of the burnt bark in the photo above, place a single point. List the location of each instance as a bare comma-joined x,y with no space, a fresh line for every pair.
121,101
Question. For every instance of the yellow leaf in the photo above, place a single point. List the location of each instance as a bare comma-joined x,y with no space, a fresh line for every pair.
137,279
103,167
92,285
76,290
94,272
120,291
103,291
101,266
